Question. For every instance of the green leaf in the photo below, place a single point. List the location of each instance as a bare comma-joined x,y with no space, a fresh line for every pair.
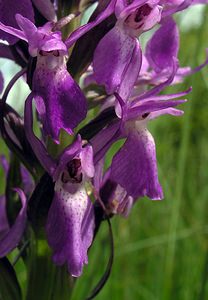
9,286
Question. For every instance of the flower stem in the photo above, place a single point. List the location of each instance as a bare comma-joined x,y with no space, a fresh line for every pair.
45,280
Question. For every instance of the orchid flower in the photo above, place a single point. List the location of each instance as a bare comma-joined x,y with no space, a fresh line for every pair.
70,220
118,57
59,100
137,174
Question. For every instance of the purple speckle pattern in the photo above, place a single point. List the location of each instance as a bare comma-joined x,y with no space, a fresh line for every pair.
60,101
68,233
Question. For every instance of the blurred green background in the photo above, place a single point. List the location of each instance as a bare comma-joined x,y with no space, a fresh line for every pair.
161,249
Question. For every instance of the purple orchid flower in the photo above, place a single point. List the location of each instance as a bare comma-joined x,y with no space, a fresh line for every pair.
11,236
134,166
70,222
118,57
59,100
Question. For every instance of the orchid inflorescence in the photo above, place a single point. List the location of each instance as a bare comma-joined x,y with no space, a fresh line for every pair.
99,68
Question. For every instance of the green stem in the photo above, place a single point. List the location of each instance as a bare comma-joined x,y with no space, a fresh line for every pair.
45,280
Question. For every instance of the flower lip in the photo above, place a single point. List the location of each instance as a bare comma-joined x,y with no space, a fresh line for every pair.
145,115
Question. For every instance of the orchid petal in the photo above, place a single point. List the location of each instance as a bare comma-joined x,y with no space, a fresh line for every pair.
134,167
113,58
98,177
157,89
163,46
11,239
86,157
13,31
151,106
162,97
131,73
69,233
26,25
167,111
178,7
104,139
59,101
39,149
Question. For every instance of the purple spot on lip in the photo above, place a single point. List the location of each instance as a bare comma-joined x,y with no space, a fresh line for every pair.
73,167
73,172
145,115
142,12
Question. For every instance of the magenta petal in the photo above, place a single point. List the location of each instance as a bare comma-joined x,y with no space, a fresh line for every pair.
131,73
53,41
61,104
157,89
16,33
69,227
26,25
134,166
104,139
98,177
86,157
88,225
112,58
168,111
151,106
39,149
163,46
176,6
8,10
12,237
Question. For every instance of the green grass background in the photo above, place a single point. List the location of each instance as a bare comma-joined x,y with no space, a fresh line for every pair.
161,249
